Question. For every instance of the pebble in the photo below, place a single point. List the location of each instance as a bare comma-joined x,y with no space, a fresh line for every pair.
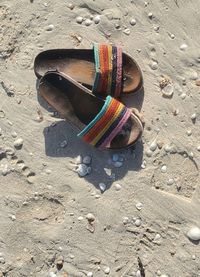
189,132
118,187
63,144
2,260
82,170
194,257
90,217
193,75
127,31
153,146
118,164
107,270
50,27
90,274
13,217
138,274
153,65
14,134
156,28
150,15
138,222
79,19
149,153
143,165
18,143
139,206
158,273
193,116
164,169
170,182
197,82
88,22
172,36
157,237
132,21
194,233
168,90
80,218
183,47
198,148
102,187
87,160
97,19
71,6
125,220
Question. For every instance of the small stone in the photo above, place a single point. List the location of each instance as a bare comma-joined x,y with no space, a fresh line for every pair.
50,27
153,65
170,182
193,116
194,233
18,143
118,187
71,6
97,19
183,47
172,36
14,134
164,169
80,218
194,257
156,28
63,144
158,273
143,165
157,237
149,153
168,90
139,206
90,217
102,187
88,22
59,261
90,274
197,82
82,170
132,21
183,95
189,132
12,217
118,164
126,220
52,274
79,19
87,160
107,270
138,222
198,147
193,75
127,31
153,146
2,260
115,157
150,15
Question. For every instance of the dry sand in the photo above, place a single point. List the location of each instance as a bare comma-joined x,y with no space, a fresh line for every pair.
43,203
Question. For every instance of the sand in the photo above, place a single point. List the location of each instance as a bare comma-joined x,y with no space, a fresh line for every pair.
140,229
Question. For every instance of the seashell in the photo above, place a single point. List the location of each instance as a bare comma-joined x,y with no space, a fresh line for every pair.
90,217
164,169
153,146
194,233
143,165
50,27
172,36
118,187
183,47
87,160
132,21
88,22
168,90
193,116
79,159
170,182
153,65
102,187
82,170
138,274
150,15
106,270
18,143
138,222
139,206
189,132
149,153
79,19
90,274
127,31
97,19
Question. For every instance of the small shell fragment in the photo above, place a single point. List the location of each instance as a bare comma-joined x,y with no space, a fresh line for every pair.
183,47
164,169
153,146
194,233
18,143
168,90
127,31
139,206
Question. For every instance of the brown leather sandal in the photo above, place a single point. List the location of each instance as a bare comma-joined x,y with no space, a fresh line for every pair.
104,123
99,69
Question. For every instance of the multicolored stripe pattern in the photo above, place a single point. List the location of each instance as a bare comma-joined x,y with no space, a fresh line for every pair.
108,66
107,123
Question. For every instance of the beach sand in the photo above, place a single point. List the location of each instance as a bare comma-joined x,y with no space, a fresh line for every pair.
141,220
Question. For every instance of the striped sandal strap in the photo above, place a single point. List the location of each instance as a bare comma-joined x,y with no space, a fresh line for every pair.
108,66
107,124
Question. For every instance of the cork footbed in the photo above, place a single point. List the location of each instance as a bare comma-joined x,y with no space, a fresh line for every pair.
79,65
77,105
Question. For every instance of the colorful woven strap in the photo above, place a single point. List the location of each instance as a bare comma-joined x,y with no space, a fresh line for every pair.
108,66
107,123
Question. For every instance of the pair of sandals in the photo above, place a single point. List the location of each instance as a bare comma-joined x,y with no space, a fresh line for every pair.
84,86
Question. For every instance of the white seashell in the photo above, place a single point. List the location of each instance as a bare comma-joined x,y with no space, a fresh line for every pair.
193,116
97,19
87,159
143,165
107,270
183,47
50,27
79,159
194,233
90,274
79,19
115,157
132,21
118,164
168,90
90,217
139,206
118,187
18,143
153,65
82,170
153,146
172,36
88,22
80,218
127,31
138,222
63,144
102,187
164,169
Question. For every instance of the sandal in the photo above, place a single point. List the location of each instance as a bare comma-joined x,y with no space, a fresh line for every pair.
99,69
104,123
